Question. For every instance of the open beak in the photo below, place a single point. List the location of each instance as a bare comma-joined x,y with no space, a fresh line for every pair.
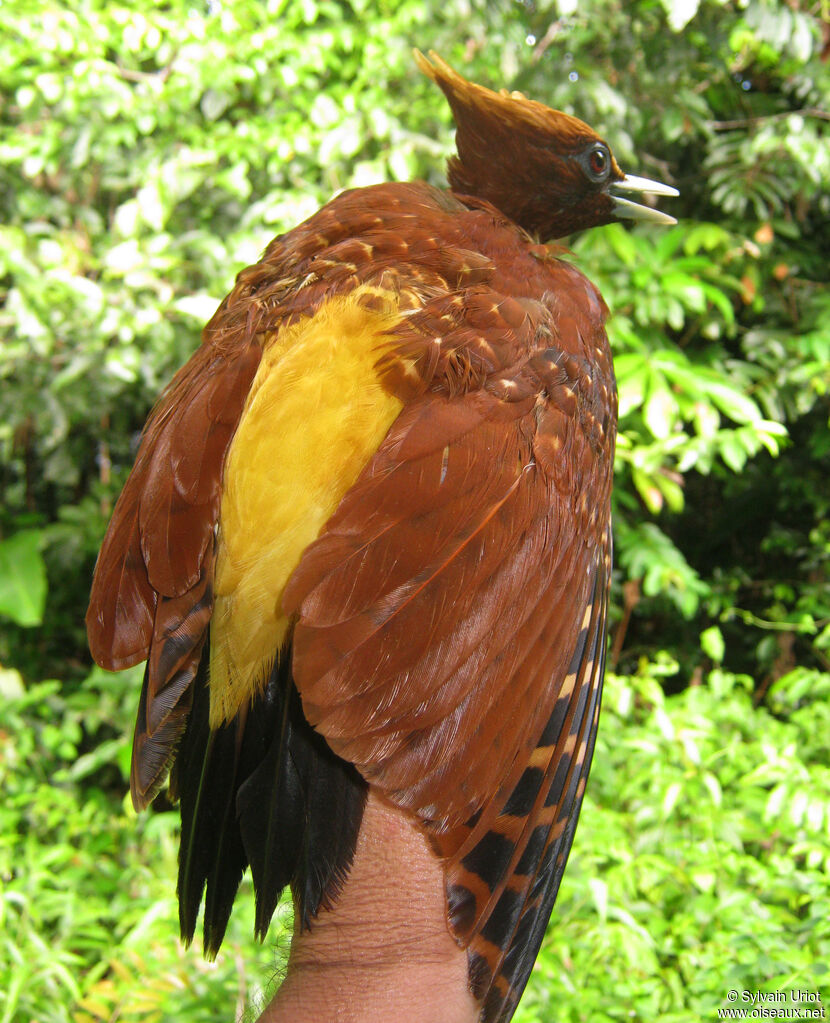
627,210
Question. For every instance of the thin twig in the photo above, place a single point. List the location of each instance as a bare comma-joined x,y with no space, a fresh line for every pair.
631,598
552,32
163,73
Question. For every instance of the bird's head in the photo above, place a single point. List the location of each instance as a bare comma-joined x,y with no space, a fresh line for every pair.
549,172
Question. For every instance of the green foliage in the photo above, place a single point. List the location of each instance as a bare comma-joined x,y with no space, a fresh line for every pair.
88,917
720,325
701,861
147,153
22,578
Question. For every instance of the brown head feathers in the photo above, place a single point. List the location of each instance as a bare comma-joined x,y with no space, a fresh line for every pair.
547,171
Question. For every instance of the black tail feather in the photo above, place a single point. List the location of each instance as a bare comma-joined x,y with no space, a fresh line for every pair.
189,778
264,789
299,811
335,796
268,804
229,859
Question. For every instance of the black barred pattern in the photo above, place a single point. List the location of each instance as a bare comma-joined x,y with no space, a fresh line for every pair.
527,936
524,795
501,956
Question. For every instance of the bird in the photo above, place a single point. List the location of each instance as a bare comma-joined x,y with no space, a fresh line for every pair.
366,542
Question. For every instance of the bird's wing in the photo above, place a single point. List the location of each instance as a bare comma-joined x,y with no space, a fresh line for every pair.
152,591
450,635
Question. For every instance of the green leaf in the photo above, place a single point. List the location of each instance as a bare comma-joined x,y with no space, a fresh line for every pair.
23,578
671,491
633,373
690,291
623,243
705,236
731,401
648,490
712,643
660,409
680,12
732,451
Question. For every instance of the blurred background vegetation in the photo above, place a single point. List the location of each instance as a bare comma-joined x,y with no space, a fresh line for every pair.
148,152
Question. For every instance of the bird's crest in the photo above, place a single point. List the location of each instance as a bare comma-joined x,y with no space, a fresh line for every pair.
473,104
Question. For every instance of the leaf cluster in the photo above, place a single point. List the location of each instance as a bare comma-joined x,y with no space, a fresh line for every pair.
700,864
87,903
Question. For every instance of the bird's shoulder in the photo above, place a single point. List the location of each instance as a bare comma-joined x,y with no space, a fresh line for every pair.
479,299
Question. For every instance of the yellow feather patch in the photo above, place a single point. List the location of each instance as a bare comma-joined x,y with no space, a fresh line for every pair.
315,415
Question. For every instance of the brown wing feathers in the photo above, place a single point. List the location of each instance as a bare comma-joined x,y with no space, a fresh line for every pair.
503,952
449,620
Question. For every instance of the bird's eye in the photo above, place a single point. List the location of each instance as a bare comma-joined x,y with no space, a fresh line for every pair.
597,162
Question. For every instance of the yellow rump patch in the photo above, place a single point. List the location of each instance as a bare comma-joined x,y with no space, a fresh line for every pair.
315,415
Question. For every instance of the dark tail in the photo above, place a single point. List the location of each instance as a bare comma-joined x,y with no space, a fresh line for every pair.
263,790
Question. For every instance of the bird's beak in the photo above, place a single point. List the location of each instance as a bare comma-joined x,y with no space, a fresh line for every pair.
627,210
